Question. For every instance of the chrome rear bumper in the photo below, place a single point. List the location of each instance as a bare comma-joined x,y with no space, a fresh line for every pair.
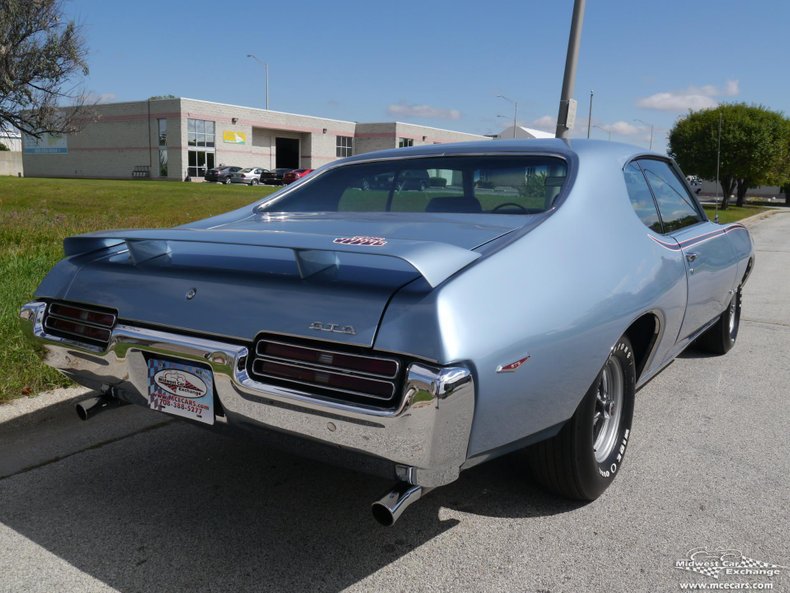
426,437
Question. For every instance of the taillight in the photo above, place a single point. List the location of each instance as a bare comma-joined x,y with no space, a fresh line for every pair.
323,370
79,323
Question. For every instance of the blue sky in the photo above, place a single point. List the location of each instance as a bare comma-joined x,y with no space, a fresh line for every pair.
443,63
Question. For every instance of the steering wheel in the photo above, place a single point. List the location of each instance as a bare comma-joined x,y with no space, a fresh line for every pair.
510,205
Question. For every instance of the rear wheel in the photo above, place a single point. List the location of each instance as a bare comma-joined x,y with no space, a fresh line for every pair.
227,181
583,458
721,336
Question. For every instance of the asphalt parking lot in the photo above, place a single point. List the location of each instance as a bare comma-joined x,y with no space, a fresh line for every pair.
134,502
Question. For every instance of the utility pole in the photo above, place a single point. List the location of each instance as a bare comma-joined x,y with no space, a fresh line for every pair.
641,121
567,113
515,111
718,165
589,116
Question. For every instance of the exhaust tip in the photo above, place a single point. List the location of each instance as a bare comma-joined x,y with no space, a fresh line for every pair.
82,411
88,408
390,507
382,514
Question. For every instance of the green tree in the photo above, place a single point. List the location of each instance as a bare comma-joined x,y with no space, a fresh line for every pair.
781,174
42,57
751,145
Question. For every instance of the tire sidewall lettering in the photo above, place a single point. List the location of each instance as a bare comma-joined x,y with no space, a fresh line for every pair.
608,468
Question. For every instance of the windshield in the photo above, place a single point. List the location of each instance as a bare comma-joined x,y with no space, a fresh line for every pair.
463,184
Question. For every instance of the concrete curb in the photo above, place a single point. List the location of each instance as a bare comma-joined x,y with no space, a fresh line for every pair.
27,405
753,220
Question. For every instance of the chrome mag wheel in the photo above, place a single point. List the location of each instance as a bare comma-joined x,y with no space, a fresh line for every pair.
583,458
608,408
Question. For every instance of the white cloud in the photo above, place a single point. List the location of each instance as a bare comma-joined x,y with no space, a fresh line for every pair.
623,128
693,98
547,123
676,102
404,109
731,88
101,98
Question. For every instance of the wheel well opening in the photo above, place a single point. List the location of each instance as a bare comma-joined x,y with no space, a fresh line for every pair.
642,334
748,271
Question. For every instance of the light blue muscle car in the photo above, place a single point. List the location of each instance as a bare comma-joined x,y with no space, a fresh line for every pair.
516,295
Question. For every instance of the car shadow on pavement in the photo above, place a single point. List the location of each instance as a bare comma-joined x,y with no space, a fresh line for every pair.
175,508
694,354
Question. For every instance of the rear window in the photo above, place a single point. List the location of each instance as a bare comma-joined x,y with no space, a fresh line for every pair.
490,184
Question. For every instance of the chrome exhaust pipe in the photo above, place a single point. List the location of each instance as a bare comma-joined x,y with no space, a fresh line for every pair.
88,408
390,507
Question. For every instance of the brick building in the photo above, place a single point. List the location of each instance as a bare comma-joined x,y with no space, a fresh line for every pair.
173,138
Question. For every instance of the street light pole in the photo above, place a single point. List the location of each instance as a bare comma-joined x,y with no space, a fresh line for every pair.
266,73
605,130
589,116
515,111
651,131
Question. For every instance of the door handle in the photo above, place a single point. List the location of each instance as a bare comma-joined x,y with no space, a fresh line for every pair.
691,257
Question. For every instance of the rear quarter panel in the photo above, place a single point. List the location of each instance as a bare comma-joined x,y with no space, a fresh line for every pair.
562,295
742,245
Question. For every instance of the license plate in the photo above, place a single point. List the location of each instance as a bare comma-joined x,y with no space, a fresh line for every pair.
181,390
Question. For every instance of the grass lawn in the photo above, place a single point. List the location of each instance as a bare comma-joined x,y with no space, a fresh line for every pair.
733,213
37,214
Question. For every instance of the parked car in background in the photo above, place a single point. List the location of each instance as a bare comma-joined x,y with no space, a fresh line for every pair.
292,176
248,176
275,176
416,179
413,333
221,174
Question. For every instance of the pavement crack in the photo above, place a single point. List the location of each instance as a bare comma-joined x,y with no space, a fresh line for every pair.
765,322
89,448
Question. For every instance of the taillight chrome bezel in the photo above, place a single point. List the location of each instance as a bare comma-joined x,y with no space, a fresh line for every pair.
339,373
80,323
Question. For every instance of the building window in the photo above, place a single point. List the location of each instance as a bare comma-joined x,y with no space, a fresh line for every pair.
201,140
162,125
200,133
344,146
404,142
163,162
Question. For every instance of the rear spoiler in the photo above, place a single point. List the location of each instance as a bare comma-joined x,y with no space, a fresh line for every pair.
433,260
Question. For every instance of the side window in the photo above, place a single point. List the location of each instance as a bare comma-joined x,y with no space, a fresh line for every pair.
675,204
641,198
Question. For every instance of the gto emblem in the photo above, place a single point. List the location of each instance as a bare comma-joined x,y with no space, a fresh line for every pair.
366,241
333,327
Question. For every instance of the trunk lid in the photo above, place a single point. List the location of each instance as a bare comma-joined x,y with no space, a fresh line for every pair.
327,276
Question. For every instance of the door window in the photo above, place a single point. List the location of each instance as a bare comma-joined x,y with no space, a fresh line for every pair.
675,204
641,198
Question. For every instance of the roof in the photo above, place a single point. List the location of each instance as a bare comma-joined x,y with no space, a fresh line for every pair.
579,146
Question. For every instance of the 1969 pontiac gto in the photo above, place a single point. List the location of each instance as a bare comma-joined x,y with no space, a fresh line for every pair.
517,297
